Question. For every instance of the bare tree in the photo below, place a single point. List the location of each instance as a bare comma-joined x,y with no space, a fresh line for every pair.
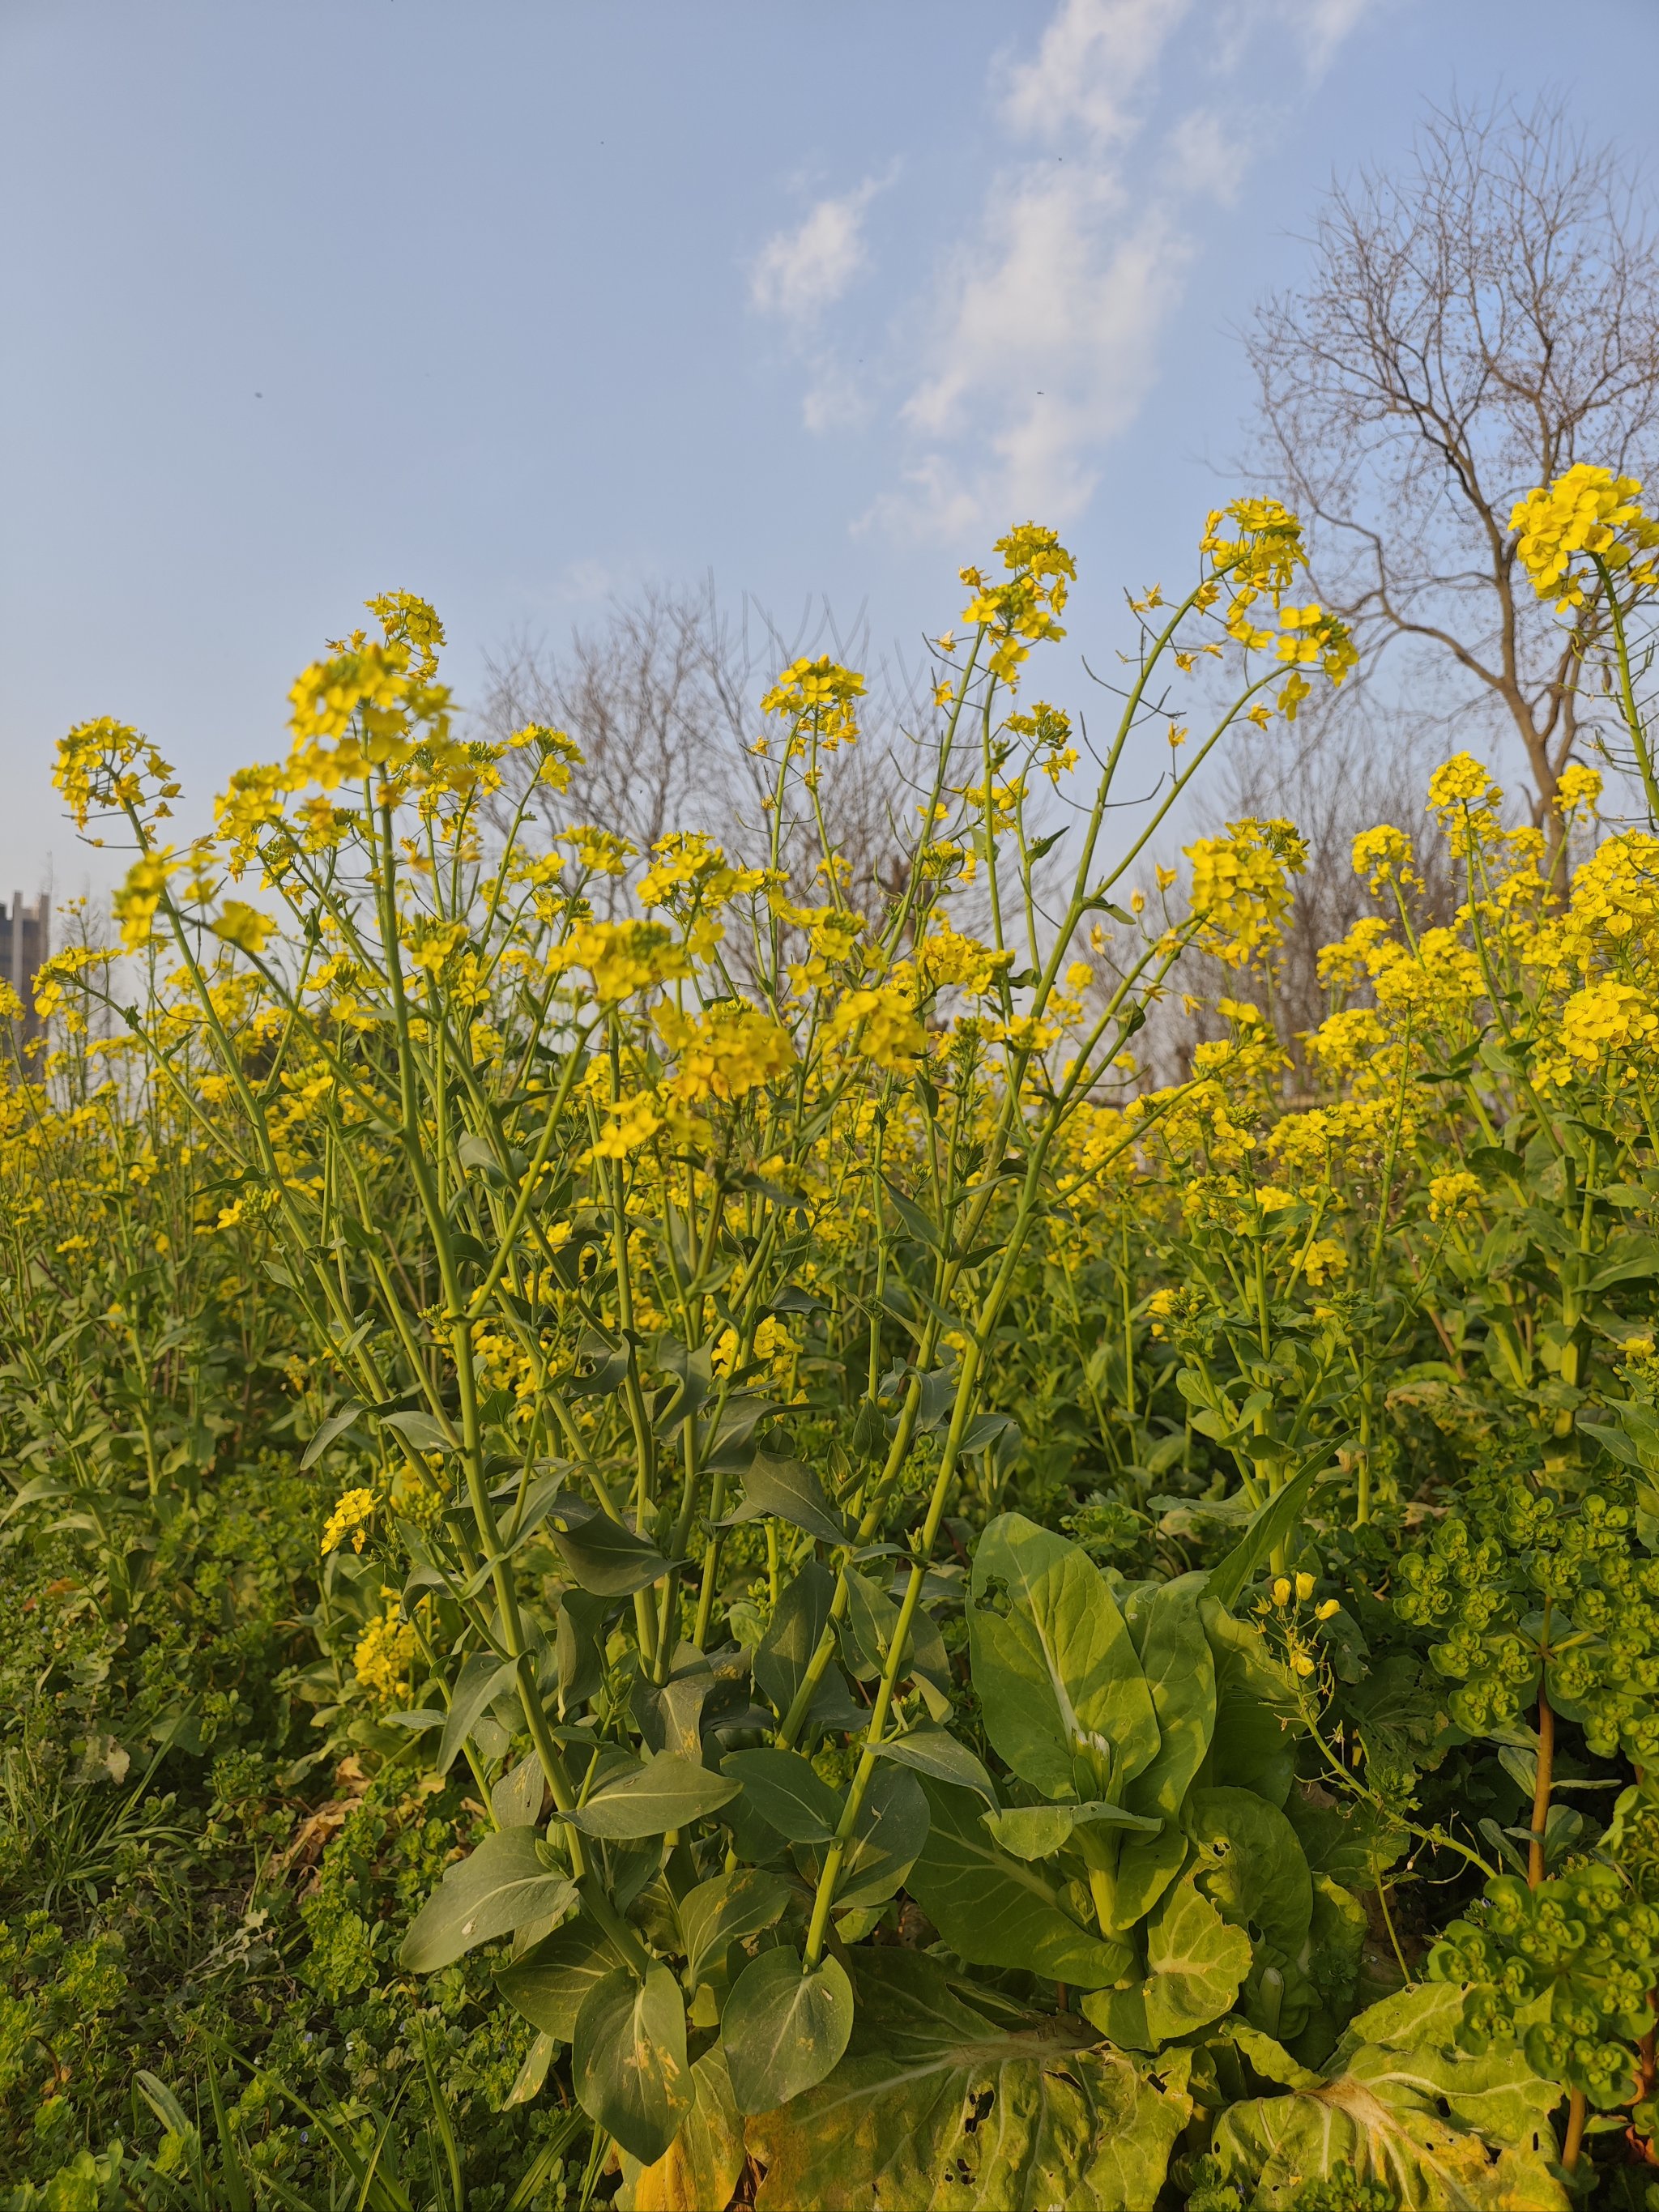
663,698
1470,328
657,701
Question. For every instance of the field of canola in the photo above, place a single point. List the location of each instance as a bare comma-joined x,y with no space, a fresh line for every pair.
672,1543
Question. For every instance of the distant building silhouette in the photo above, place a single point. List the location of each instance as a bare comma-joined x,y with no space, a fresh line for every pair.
25,949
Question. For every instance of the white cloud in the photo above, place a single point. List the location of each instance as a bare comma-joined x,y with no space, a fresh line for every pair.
1206,154
834,401
1325,24
799,273
1047,355
1046,329
1089,63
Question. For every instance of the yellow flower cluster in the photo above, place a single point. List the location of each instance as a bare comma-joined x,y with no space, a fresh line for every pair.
1588,520
1026,609
946,957
385,1652
103,766
351,1513
1604,1018
1453,1195
623,957
725,1052
1241,888
688,870
819,694
1048,732
1463,794
1383,856
879,1025
628,1123
1577,788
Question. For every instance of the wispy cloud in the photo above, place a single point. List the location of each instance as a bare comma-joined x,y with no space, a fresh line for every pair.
798,273
1045,332
1089,64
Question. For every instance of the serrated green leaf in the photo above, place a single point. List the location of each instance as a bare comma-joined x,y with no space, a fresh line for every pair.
1195,1964
935,2108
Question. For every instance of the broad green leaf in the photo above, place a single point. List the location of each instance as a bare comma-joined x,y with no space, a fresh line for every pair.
547,1984
531,2077
482,1680
1035,1832
719,1912
1195,1964
671,1715
1270,2059
1338,1936
1257,1717
336,1425
789,1490
788,1794
508,1881
996,1911
663,1793
1146,1866
784,2027
1250,1864
1411,2036
577,1649
1428,2013
516,1801
871,1617
787,1648
891,1828
934,1750
606,1558
700,2170
1353,1844
1445,2133
1063,1696
628,2060
1271,1525
421,1432
937,2109
918,1223
1180,1672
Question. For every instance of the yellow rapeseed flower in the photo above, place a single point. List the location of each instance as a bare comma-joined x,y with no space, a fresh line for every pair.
351,1513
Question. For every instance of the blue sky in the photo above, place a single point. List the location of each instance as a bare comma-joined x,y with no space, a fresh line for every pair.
514,305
